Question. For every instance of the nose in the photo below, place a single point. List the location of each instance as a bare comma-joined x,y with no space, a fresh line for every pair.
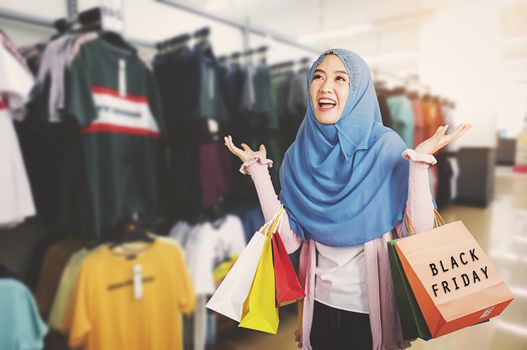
327,86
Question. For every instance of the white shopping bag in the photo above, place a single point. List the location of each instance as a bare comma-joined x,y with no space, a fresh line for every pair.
233,290
231,293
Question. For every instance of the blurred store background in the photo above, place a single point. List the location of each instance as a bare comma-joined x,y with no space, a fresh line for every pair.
208,68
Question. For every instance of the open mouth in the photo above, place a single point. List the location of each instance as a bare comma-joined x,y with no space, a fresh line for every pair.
326,104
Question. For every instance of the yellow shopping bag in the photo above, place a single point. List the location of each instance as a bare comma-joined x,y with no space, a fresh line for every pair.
259,309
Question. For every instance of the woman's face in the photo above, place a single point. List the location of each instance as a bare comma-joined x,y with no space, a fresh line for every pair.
329,89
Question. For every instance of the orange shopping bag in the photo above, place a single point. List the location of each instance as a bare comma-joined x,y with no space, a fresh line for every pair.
452,278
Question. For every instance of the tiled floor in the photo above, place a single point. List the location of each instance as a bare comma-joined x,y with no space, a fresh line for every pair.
501,230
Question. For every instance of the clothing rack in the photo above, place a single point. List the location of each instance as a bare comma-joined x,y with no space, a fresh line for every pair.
39,21
303,61
174,41
42,22
244,27
247,53
407,81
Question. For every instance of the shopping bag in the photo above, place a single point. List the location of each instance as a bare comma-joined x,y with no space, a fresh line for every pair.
259,310
288,288
412,321
452,279
231,293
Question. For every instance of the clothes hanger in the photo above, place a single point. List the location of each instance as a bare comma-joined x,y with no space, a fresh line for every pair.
202,42
91,20
262,54
6,273
131,228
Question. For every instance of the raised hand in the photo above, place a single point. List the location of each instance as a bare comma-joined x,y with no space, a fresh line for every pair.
246,153
440,139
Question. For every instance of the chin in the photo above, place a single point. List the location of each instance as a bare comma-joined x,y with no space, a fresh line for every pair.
326,119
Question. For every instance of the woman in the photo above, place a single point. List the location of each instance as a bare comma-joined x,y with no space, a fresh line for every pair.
345,185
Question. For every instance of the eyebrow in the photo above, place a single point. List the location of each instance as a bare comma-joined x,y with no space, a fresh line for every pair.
338,71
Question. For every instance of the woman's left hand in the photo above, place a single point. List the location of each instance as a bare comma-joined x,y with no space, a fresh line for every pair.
440,139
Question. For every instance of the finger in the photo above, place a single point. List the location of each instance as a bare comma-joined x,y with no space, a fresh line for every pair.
226,140
246,148
462,130
233,148
438,131
229,144
442,131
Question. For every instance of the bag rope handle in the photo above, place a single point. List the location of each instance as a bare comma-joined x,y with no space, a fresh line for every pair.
270,227
438,221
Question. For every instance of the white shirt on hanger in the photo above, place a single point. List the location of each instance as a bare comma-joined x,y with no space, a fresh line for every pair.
16,201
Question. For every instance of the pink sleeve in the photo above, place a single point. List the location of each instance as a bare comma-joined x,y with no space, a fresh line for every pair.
419,205
269,202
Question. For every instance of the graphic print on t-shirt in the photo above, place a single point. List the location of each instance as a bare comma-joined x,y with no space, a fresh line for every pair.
130,283
127,114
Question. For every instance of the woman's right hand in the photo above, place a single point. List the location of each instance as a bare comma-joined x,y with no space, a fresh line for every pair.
246,153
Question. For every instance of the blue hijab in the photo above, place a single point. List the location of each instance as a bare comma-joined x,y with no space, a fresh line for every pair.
346,183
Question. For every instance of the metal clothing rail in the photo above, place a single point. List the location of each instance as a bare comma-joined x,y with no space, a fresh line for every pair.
406,80
20,17
46,23
42,22
242,26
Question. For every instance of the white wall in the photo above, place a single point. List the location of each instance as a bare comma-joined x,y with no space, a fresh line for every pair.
24,34
147,21
460,57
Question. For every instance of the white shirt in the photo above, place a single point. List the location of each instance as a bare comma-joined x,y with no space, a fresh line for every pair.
16,201
340,278
206,246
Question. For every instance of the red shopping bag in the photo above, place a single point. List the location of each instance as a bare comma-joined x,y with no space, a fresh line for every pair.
288,289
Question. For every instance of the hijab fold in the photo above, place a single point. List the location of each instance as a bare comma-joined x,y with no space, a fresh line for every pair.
346,183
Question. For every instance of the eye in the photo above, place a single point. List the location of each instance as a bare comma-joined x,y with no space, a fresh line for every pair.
341,78
317,77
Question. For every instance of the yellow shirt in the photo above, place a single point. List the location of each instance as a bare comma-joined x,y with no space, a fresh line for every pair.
107,312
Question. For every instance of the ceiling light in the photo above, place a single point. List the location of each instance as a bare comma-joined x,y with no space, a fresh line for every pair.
335,33
392,56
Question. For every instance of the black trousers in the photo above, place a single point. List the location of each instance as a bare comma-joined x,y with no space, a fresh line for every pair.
335,329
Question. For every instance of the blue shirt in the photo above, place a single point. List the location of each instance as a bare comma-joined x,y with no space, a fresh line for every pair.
21,325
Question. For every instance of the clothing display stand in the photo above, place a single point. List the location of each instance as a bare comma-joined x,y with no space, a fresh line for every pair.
475,184
506,151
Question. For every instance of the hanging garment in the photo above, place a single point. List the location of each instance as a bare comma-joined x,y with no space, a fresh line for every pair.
16,201
402,117
385,110
60,314
113,97
214,173
190,102
55,260
207,245
51,73
22,327
122,302
420,125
